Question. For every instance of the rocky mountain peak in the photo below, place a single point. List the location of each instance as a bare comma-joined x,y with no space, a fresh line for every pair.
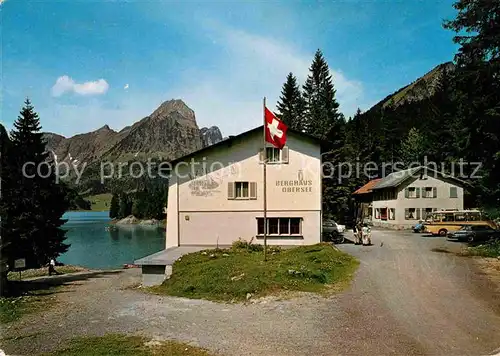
105,128
174,106
210,136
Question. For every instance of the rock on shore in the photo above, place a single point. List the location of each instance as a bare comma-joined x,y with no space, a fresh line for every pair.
132,220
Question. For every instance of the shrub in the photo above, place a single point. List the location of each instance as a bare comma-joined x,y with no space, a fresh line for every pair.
489,249
245,245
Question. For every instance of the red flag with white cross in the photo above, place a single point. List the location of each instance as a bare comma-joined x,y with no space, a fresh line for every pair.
275,130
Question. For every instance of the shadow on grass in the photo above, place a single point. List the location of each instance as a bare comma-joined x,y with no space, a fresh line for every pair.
45,285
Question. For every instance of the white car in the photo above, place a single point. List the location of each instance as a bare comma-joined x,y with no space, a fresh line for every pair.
330,225
340,228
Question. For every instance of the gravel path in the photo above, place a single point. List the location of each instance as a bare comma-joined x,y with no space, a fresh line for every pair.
406,299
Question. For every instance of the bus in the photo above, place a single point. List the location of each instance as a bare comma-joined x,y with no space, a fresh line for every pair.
443,221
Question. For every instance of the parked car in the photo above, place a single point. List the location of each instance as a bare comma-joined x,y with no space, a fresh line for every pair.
333,231
418,228
474,233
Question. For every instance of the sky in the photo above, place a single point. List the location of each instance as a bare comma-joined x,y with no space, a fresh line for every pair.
85,64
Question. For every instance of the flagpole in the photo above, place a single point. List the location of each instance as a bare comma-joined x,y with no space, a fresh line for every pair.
264,185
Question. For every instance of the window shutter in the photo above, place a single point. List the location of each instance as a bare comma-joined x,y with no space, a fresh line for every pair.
230,190
407,193
434,192
407,212
253,190
418,213
284,155
417,192
261,155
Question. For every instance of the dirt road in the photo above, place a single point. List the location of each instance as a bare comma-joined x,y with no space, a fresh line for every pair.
406,299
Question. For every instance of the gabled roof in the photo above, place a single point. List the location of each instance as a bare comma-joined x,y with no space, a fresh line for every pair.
231,139
397,178
367,188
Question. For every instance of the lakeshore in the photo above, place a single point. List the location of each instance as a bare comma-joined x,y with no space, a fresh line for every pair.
97,243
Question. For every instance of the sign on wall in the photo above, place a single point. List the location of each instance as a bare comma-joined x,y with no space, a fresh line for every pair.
20,263
299,185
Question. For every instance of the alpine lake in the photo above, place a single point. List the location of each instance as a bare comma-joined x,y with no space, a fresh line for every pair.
97,244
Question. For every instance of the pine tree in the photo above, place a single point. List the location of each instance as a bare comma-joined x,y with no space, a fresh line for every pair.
477,91
125,206
413,148
322,118
114,208
6,189
39,201
291,104
141,204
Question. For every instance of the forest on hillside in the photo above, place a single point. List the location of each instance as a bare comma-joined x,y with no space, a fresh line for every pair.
455,122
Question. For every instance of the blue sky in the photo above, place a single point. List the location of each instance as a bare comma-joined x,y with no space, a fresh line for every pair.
85,64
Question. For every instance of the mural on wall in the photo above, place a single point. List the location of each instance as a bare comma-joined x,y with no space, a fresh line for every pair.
206,185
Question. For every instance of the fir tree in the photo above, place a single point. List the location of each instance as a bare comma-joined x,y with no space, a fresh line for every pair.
125,206
6,199
35,219
291,104
477,91
114,208
140,208
413,148
321,108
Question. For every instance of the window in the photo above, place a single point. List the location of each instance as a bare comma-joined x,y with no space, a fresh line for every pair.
428,213
273,226
273,154
242,190
449,217
412,193
428,192
473,216
481,228
377,213
392,214
453,192
280,226
412,214
383,214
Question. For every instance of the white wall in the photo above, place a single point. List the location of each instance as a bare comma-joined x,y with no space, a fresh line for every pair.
212,214
442,200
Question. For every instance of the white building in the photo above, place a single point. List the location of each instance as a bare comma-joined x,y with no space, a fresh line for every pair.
403,198
216,196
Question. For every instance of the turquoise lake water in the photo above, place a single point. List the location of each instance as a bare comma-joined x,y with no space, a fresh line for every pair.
94,247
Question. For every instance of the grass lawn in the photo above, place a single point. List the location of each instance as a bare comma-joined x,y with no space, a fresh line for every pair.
100,202
39,272
11,309
122,345
229,274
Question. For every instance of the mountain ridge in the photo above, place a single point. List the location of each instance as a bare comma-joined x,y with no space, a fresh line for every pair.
168,132
421,88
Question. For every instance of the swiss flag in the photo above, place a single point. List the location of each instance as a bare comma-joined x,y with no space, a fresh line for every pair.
275,130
